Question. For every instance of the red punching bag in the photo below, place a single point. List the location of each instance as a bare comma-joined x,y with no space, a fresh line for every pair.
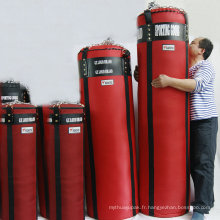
163,113
106,91
18,161
61,161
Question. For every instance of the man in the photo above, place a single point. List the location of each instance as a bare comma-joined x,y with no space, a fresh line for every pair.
204,121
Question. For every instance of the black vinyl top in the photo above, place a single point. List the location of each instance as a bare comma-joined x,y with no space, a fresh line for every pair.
104,66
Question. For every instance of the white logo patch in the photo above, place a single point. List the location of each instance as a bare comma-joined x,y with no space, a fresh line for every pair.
69,120
27,130
100,62
50,120
167,30
140,33
109,82
169,47
26,120
2,120
106,71
74,130
9,98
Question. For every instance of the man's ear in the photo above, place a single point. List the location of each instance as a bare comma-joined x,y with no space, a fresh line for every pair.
202,51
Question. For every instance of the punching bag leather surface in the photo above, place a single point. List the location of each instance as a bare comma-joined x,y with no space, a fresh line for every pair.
61,161
163,113
106,91
18,162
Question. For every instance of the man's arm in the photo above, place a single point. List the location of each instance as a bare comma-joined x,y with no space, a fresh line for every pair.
186,85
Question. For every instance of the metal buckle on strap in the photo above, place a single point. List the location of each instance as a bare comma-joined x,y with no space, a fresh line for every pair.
9,117
56,116
84,61
127,68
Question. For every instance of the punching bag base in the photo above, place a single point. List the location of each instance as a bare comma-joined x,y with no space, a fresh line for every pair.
169,215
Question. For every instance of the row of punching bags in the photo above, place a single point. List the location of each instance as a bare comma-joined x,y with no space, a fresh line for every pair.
111,181
41,152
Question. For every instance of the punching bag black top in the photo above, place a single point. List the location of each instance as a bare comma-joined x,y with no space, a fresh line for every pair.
14,91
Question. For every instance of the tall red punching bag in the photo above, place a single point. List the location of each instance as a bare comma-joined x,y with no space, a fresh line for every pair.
106,91
163,113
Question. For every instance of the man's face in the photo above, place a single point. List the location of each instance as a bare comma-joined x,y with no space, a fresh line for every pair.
194,49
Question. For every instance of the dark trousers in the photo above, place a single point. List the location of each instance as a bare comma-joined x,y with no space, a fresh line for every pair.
203,134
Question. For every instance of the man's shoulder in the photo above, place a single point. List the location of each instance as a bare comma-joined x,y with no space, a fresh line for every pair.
207,65
204,65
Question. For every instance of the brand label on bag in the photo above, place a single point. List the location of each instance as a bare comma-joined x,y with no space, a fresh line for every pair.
9,98
27,130
105,71
140,33
71,120
26,120
109,82
101,62
169,47
2,120
74,130
167,30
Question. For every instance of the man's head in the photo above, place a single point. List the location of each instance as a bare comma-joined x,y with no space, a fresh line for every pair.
201,47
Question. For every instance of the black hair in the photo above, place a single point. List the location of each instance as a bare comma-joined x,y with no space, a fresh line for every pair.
206,44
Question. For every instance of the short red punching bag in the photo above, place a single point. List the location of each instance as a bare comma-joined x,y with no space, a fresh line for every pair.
18,161
163,113
61,161
106,91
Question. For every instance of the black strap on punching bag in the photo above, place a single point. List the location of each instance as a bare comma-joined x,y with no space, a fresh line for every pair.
46,190
89,130
57,163
36,174
148,19
9,122
127,71
84,172
187,115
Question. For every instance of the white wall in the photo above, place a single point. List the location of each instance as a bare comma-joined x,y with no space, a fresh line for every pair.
40,39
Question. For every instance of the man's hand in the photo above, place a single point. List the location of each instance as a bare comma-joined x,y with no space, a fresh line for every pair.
161,82
186,85
136,74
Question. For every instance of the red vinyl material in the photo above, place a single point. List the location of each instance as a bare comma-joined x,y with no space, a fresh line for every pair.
23,165
70,161
170,119
110,192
